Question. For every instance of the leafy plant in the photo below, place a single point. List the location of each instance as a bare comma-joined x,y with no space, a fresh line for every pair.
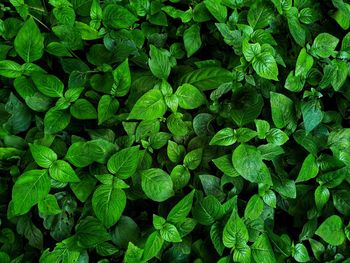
174,131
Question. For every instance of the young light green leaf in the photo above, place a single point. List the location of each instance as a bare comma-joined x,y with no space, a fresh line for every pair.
254,207
49,206
107,107
265,66
159,62
31,187
150,106
181,210
124,163
42,155
332,230
153,245
235,231
189,97
156,184
304,63
224,137
324,45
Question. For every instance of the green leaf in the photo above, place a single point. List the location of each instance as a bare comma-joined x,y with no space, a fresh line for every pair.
296,29
108,204
265,66
322,195
262,250
48,85
124,163
339,75
250,50
156,184
224,164
107,108
308,170
247,160
169,233
300,253
254,207
153,245
43,155
150,106
63,172
189,97
122,79
29,43
224,137
276,136
207,211
82,109
304,63
206,78
116,17
341,201
282,109
56,120
10,69
192,39
49,206
31,187
260,16
159,62
193,159
332,231
218,10
90,232
312,114
235,232
181,210
78,154
324,45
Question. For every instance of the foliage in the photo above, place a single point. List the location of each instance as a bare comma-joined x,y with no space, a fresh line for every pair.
174,131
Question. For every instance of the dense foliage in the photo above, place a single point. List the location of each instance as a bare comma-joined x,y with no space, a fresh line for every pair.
174,131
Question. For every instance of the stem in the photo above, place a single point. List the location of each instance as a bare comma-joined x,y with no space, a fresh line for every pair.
41,23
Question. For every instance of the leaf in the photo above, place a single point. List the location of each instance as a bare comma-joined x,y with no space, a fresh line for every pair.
159,62
340,74
43,155
322,195
189,97
276,136
250,50
265,66
254,207
260,16
108,204
49,85
235,232
282,109
90,232
308,170
206,78
49,206
169,233
122,79
341,201
324,45
153,245
300,253
312,114
304,63
224,164
124,163
332,231
156,184
224,137
181,210
218,10
247,160
262,250
193,159
150,106
82,109
56,120
107,108
31,187
29,43
295,28
207,210
10,69
63,172
192,39
116,17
